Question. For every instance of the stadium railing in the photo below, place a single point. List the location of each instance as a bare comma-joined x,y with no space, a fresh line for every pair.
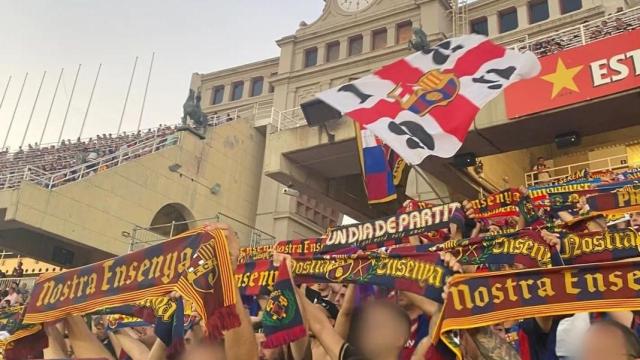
30,281
556,173
82,171
248,235
582,34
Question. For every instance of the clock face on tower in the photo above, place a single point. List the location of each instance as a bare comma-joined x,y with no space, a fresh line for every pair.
353,5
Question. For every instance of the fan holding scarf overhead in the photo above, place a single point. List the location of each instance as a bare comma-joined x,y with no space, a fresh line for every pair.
196,264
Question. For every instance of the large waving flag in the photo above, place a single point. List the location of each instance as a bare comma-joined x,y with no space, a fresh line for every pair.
424,104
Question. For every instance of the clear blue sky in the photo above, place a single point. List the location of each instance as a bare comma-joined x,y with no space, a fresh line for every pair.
187,35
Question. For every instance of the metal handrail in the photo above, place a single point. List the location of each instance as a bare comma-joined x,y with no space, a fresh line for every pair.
94,137
30,281
118,158
231,115
19,168
145,236
288,119
263,110
530,179
89,168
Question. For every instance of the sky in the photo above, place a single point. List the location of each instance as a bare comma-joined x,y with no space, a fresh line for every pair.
187,36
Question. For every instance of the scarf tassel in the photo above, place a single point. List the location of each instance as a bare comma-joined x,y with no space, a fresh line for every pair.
284,337
222,319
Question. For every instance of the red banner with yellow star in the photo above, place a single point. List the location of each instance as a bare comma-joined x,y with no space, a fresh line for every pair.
603,67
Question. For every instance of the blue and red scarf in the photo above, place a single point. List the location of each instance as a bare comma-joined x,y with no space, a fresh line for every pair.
196,264
619,202
408,268
482,299
525,247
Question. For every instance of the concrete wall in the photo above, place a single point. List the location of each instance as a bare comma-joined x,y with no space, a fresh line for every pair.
507,169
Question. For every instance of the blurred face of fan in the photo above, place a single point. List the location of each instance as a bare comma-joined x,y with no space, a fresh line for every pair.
604,342
381,331
204,351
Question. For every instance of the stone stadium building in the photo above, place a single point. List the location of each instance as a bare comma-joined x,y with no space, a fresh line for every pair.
259,143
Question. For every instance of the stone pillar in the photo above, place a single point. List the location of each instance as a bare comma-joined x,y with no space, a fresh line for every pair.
493,24
344,46
322,54
286,64
391,35
246,89
554,8
523,16
226,94
366,42
434,17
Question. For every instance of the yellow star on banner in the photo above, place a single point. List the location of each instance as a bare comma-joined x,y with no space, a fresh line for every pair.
562,78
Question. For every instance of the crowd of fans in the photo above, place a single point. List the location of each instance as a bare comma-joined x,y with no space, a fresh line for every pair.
64,160
345,322
357,322
611,25
15,292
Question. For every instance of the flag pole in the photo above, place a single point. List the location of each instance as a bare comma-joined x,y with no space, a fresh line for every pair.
93,89
66,113
15,109
146,89
33,108
5,91
424,177
53,99
126,98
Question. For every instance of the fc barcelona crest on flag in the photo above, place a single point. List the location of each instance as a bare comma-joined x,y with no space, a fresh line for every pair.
434,88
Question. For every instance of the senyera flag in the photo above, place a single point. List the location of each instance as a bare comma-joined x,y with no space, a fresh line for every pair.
424,104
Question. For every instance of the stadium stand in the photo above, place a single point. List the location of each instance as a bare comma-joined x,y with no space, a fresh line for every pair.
54,165
588,31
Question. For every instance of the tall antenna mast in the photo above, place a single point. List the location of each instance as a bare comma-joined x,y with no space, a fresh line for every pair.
53,99
33,108
6,137
146,90
66,113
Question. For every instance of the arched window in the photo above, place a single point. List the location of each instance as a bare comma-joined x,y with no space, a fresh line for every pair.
171,220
